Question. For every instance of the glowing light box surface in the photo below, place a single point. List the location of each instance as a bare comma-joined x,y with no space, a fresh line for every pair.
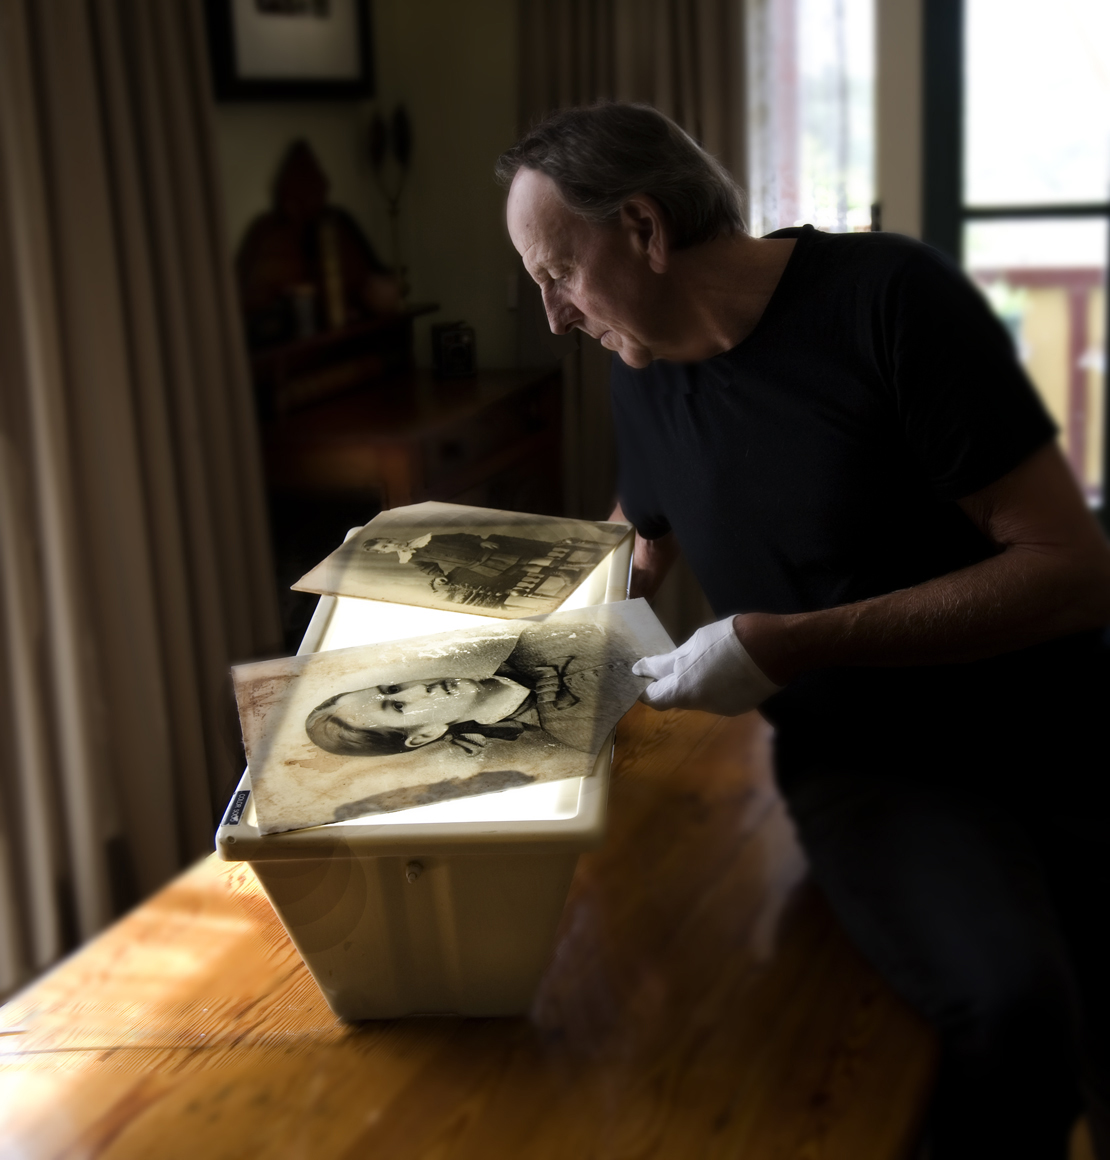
355,621
548,801
350,621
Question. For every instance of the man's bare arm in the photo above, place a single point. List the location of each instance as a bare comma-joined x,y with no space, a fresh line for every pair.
651,560
1051,578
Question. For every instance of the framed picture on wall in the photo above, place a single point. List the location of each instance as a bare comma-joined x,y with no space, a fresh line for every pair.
290,49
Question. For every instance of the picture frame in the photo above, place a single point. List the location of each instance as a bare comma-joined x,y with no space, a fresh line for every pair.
272,50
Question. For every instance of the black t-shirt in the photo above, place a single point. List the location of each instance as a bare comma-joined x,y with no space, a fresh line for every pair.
819,463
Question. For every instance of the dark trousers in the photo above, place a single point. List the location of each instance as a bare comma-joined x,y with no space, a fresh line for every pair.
989,914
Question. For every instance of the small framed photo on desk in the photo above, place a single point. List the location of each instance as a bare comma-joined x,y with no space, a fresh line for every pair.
290,49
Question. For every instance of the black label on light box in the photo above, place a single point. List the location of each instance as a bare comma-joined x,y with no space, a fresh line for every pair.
235,810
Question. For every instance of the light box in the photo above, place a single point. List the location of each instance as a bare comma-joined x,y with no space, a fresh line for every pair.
444,908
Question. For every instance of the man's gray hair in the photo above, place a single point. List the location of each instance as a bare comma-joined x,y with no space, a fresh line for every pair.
602,155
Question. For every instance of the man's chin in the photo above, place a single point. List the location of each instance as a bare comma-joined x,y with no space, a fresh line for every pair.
636,359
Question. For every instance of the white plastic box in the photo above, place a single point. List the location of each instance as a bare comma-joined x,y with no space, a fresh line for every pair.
448,908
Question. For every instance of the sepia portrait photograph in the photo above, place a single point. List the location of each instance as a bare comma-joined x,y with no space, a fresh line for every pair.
440,555
337,735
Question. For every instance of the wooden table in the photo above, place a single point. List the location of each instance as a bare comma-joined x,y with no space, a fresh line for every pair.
700,1003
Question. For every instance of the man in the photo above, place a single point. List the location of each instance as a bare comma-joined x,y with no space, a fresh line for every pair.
836,432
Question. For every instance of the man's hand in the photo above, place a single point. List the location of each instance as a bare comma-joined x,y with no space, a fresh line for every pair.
711,671
651,560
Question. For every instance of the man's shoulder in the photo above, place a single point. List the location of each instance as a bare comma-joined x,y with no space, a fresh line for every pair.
864,286
875,256
876,243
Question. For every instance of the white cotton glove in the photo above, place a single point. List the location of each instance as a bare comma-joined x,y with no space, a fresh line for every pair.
711,671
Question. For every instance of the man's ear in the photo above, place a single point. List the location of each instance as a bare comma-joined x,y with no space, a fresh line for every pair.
642,219
423,735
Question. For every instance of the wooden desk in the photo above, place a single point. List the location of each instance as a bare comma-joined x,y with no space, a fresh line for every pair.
494,440
700,1003
306,371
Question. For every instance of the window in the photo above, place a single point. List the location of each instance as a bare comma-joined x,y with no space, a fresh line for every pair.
811,67
1017,156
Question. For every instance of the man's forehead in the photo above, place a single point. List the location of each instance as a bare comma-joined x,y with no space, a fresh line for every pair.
533,192
538,218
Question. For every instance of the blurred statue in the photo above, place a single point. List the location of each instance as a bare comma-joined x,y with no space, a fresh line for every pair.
306,266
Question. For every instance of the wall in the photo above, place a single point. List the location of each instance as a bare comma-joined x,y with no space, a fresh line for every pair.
454,67
898,114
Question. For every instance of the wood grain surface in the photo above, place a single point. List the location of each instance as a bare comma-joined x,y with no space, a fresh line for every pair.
700,1002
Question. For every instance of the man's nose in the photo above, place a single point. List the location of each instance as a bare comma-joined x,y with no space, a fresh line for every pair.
562,316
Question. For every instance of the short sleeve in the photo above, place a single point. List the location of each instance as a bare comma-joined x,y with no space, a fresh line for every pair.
636,456
969,411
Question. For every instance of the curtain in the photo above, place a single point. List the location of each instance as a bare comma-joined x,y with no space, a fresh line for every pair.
134,555
685,57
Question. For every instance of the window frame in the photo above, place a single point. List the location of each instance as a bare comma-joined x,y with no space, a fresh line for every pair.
944,212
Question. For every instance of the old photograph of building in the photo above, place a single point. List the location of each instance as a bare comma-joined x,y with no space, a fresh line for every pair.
439,555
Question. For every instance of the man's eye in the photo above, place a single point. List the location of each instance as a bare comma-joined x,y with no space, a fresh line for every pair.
387,689
397,706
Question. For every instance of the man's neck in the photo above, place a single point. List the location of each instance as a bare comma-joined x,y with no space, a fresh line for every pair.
719,291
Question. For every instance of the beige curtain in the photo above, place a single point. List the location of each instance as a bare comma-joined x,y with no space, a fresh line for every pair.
685,57
134,559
